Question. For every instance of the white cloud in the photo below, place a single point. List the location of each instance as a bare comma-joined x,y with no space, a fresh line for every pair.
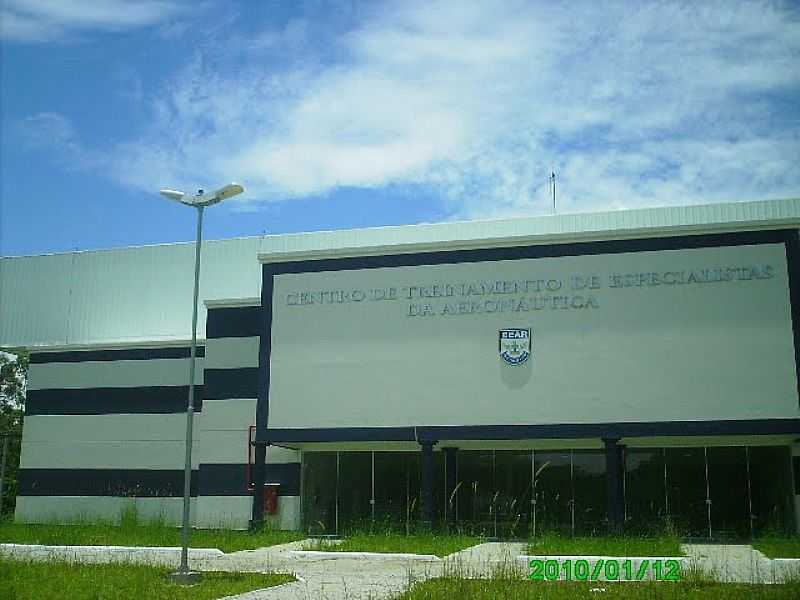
54,134
49,20
50,130
631,104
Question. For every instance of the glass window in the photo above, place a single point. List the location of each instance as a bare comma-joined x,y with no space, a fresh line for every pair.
645,494
796,467
319,492
475,478
553,492
355,491
439,486
414,481
686,490
392,489
398,495
770,485
727,482
513,483
590,491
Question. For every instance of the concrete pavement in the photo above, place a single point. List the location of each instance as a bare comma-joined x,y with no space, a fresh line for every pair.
740,563
345,576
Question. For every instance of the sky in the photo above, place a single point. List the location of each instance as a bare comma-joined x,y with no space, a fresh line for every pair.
355,114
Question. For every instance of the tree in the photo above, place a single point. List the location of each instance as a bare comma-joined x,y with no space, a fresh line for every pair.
13,380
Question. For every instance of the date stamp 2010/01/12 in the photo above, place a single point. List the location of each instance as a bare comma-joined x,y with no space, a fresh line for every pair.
605,569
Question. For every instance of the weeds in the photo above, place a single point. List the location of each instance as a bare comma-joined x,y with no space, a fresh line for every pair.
778,546
130,529
554,544
421,543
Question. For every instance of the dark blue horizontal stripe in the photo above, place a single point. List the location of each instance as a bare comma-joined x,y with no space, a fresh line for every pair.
240,321
232,479
221,384
532,432
139,483
102,401
338,434
549,250
38,358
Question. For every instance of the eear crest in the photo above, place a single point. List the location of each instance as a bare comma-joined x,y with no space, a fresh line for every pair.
515,345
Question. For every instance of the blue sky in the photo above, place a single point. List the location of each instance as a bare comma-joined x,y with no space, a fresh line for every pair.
352,114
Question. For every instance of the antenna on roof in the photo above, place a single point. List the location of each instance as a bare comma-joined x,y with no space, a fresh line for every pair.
553,183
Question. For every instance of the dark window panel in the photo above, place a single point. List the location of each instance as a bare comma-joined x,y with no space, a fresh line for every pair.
686,490
645,494
355,491
513,483
727,480
771,489
553,492
591,496
319,492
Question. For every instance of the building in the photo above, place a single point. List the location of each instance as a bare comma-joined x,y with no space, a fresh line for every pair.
569,372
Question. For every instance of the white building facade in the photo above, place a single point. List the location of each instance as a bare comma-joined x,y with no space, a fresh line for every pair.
573,372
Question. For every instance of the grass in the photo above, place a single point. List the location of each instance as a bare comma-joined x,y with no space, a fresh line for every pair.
605,546
141,535
23,580
132,532
504,589
779,547
430,543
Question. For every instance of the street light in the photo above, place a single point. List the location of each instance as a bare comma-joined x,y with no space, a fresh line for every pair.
198,201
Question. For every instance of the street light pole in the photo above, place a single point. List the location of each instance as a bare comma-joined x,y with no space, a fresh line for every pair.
187,467
200,201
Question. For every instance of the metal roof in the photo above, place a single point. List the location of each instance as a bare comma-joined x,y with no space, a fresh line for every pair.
620,224
143,294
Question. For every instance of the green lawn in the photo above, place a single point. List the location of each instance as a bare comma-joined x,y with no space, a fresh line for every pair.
132,534
503,589
439,545
605,546
22,580
779,547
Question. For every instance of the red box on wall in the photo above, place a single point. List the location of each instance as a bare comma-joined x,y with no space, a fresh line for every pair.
271,498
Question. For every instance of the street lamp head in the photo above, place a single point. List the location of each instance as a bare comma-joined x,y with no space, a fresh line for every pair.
203,199
173,195
230,190
217,196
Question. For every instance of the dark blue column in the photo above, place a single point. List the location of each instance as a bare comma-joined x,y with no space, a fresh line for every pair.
427,482
450,483
614,483
262,404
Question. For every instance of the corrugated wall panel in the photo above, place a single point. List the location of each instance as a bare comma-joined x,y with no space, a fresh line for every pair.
124,295
34,297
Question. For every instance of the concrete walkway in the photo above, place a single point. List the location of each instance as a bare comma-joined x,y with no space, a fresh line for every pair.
342,577
345,577
325,577
740,563
487,559
335,576
490,553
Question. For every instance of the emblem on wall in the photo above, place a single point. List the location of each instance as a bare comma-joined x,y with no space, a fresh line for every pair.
515,345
